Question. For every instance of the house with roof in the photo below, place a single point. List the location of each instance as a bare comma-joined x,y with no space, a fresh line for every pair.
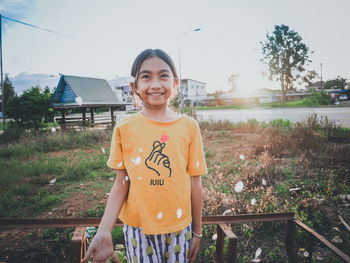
86,94
193,91
121,87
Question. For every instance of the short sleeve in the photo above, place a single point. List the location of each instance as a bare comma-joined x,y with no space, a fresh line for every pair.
115,159
196,160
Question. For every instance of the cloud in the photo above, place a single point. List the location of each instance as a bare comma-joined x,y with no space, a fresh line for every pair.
14,6
25,80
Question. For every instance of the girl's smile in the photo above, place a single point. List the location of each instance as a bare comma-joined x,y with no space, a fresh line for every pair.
155,83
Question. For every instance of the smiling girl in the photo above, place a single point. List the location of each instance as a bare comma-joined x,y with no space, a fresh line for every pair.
158,158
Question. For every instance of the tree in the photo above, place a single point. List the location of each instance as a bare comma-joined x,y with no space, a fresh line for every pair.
31,110
233,79
309,77
286,56
9,92
175,102
337,83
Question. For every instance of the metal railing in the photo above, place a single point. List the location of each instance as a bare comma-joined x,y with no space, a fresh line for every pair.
78,243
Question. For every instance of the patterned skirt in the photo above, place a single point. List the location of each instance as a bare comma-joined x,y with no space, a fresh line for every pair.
168,248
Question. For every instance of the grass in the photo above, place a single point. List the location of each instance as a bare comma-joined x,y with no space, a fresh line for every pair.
306,102
29,144
25,182
2,125
222,107
291,104
313,156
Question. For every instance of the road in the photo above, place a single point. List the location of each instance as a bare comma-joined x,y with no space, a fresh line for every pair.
341,115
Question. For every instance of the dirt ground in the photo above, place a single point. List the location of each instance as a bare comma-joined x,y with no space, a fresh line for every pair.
219,145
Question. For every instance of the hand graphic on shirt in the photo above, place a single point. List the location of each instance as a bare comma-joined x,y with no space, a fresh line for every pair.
157,161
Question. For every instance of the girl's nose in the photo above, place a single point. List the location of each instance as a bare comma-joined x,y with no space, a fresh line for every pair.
156,84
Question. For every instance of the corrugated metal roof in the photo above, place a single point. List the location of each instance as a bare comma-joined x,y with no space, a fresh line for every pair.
119,82
92,91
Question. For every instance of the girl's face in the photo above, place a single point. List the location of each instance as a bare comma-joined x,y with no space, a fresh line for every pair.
156,83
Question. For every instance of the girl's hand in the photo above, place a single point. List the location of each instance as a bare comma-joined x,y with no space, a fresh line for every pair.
101,249
193,251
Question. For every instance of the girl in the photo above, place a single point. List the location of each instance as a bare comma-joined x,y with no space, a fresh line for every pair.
158,157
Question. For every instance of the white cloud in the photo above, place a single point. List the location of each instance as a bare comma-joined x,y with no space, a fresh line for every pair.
14,6
26,80
107,35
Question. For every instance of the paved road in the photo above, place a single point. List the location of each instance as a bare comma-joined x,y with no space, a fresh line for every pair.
341,115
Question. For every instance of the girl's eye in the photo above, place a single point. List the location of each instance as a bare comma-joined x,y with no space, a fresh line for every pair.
164,76
145,77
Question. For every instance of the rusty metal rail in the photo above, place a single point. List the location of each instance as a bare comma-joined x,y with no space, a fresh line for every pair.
72,222
324,241
78,245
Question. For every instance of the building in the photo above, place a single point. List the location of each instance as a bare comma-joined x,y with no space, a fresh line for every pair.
193,91
316,86
121,87
86,94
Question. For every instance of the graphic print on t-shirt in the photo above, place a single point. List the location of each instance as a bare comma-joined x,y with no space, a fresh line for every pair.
157,160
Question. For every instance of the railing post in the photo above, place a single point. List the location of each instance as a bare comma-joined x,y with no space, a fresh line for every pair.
63,123
92,117
220,244
290,237
78,245
310,247
112,116
222,231
84,117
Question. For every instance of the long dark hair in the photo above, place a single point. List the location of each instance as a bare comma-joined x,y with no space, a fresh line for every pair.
149,53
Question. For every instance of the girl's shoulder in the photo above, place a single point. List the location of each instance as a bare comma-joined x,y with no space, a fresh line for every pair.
189,119
127,120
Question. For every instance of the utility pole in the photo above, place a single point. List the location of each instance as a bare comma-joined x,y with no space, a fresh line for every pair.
321,77
2,80
178,45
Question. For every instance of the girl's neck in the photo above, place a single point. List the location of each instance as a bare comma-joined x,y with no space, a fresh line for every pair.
161,115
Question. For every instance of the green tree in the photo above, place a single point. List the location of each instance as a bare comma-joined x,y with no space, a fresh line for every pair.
337,83
309,77
286,55
175,102
31,110
9,92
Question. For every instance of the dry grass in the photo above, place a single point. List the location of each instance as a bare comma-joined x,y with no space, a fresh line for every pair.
313,156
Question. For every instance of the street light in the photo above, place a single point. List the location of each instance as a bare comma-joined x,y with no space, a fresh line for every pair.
178,44
43,78
321,77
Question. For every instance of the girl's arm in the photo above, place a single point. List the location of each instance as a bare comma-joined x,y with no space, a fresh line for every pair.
102,246
196,203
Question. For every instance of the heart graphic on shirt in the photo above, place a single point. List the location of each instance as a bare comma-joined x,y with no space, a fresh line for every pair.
164,138
136,160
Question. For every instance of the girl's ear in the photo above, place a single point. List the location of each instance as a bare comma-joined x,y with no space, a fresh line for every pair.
133,87
175,89
175,85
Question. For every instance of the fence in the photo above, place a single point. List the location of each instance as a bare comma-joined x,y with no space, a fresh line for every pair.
78,244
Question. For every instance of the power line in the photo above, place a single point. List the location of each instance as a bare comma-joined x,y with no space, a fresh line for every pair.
27,24
1,67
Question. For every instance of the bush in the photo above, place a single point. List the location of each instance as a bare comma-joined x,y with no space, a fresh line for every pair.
31,110
320,98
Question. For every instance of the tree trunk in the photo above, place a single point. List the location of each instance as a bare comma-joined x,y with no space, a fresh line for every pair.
283,92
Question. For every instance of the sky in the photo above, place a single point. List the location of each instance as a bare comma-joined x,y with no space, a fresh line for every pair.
102,38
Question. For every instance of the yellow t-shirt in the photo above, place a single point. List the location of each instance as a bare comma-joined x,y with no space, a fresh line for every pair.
159,158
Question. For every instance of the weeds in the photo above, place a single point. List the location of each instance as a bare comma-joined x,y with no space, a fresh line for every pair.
29,145
284,166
